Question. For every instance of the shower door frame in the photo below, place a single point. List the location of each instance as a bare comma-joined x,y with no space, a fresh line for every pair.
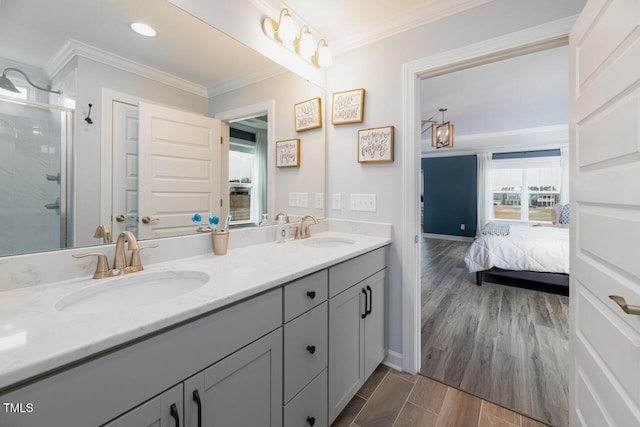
66,164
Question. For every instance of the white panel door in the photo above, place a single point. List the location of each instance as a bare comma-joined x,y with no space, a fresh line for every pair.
605,213
124,215
179,170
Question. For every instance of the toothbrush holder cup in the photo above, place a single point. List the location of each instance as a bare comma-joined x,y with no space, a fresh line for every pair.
220,242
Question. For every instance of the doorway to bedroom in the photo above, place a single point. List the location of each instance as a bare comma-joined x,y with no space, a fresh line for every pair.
498,182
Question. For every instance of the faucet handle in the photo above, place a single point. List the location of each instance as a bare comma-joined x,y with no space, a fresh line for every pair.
136,263
102,267
296,234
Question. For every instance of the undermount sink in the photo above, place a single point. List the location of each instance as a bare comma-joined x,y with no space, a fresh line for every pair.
327,242
131,291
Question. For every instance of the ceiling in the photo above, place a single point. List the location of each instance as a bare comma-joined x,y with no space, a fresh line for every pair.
33,31
517,101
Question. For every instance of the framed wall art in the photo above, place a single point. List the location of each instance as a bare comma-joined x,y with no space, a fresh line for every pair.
347,107
308,115
288,153
375,145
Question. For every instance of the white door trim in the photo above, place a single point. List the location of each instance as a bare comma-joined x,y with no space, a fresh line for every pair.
532,39
250,111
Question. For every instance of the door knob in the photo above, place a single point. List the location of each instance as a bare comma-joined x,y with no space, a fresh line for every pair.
122,218
147,220
629,309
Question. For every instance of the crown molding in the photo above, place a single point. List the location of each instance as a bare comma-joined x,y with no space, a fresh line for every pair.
407,21
73,48
246,80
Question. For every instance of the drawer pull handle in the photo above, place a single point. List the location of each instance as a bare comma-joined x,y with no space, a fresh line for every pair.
629,309
174,413
311,421
196,398
368,312
365,304
311,294
311,349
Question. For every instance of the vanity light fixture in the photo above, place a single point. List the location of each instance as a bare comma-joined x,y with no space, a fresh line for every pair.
143,29
284,33
7,84
324,58
305,42
442,133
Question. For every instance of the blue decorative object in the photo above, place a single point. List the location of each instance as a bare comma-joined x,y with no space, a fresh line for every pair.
214,220
196,218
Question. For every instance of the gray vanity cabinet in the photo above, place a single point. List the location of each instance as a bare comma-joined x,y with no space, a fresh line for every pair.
163,410
241,390
356,325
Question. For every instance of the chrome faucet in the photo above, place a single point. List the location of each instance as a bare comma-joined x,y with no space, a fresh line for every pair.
304,229
120,265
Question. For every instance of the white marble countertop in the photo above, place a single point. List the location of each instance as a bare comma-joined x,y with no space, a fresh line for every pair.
36,338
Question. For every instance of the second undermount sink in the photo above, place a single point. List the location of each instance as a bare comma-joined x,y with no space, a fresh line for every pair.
131,291
328,242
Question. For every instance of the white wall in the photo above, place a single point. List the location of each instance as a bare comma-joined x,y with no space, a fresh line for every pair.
377,68
91,78
286,89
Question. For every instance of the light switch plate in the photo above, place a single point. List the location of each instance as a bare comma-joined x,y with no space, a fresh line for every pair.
319,201
298,200
363,202
336,201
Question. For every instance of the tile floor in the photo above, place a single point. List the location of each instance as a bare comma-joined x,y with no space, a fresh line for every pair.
392,398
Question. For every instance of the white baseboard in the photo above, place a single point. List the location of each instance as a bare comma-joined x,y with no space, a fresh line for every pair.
448,237
393,360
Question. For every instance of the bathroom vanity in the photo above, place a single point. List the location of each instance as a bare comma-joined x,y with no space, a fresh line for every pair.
283,340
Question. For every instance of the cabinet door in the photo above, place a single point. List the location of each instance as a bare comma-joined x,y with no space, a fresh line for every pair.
164,410
346,343
375,349
244,389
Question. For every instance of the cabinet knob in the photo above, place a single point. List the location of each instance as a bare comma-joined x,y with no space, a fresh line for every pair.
311,294
311,420
311,349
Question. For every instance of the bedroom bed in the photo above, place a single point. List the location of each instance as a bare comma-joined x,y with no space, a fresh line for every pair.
531,253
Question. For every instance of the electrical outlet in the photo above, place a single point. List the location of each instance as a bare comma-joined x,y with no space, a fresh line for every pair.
363,202
298,200
319,202
462,226
336,201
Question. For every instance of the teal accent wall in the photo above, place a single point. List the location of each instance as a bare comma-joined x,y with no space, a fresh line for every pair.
450,195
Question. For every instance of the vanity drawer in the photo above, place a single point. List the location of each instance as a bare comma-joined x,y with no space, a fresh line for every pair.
348,273
310,406
304,294
305,349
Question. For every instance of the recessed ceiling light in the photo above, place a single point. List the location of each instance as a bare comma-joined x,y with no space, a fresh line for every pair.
143,29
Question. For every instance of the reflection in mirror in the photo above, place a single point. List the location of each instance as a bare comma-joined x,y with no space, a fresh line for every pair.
62,191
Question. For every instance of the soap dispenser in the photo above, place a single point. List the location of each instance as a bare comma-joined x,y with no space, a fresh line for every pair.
282,231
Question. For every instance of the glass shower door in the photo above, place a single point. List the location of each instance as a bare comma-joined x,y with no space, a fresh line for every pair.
33,176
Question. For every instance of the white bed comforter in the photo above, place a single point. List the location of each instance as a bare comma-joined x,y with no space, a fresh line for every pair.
527,248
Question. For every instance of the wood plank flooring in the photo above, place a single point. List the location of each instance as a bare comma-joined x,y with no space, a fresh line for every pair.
503,344
395,399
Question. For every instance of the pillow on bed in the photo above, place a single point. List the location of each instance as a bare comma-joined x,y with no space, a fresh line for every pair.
564,215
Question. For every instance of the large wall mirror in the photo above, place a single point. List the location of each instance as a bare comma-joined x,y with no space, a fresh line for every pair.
69,171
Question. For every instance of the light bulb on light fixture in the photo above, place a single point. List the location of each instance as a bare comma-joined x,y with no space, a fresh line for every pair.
286,28
305,42
324,54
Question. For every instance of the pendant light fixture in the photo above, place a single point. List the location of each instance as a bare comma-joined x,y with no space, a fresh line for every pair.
442,133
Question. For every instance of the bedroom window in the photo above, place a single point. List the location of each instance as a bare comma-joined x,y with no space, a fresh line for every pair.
525,189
